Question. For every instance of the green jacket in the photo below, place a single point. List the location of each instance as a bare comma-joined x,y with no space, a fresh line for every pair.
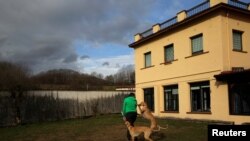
129,105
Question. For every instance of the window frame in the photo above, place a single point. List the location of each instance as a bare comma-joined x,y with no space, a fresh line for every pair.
237,102
165,53
241,40
146,65
192,44
173,102
148,94
203,100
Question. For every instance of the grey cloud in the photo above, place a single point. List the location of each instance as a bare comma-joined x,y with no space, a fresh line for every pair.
2,41
40,33
105,64
117,66
84,57
71,58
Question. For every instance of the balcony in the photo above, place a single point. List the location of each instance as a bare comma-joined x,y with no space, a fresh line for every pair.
147,33
190,13
238,4
197,9
168,23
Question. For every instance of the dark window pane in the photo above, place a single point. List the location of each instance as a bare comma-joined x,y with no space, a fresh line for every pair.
200,96
197,44
171,98
149,98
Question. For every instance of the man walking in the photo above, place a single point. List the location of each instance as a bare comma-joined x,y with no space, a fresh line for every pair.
129,111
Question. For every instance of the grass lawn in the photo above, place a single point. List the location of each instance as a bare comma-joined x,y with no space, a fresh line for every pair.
103,128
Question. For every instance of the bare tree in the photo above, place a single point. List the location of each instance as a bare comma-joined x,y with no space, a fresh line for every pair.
14,79
125,75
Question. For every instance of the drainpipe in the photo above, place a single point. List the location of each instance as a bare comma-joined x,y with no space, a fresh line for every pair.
228,42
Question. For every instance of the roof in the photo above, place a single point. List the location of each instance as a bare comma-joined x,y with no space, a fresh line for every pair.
234,76
188,20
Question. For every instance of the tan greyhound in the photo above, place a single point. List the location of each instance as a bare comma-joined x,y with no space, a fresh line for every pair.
147,114
137,130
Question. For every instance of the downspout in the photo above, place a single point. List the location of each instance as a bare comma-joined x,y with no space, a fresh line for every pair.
228,42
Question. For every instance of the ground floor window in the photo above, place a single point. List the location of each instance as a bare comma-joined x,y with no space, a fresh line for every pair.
200,96
239,95
171,102
149,97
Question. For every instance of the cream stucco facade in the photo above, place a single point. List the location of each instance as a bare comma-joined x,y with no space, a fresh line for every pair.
216,25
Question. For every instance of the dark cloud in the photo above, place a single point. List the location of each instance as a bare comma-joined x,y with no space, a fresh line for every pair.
41,33
84,57
71,58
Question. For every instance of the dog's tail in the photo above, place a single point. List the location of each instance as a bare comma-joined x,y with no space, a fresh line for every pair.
159,128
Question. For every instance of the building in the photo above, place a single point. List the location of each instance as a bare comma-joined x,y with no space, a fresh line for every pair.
196,65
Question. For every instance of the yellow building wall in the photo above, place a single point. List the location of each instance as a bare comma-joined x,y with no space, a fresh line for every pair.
218,57
232,58
211,61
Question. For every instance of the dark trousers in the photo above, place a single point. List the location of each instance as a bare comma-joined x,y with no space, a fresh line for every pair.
131,117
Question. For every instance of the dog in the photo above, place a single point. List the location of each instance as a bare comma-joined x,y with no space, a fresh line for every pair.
147,114
137,130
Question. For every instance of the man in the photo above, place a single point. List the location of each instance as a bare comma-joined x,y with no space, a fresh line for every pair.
129,111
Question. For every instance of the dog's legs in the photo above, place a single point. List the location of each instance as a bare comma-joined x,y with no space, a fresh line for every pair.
139,107
147,136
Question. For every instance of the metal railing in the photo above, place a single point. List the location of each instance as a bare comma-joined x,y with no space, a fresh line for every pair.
197,9
169,22
147,33
238,4
193,11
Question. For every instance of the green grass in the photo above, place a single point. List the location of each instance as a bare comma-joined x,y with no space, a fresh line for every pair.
102,128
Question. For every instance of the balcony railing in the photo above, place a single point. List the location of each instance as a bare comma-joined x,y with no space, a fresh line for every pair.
197,9
191,12
147,33
238,4
168,22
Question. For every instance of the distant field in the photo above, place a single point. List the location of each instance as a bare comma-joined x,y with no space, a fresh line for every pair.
102,128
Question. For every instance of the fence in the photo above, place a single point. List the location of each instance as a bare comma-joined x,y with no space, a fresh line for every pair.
33,108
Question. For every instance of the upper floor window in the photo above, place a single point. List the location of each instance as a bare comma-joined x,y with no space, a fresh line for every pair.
169,53
197,44
147,58
237,40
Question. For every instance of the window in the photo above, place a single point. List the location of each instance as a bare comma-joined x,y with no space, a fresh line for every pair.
147,57
200,97
197,44
239,98
149,97
169,53
171,102
237,69
237,40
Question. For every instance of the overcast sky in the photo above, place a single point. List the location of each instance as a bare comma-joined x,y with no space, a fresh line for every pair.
84,35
